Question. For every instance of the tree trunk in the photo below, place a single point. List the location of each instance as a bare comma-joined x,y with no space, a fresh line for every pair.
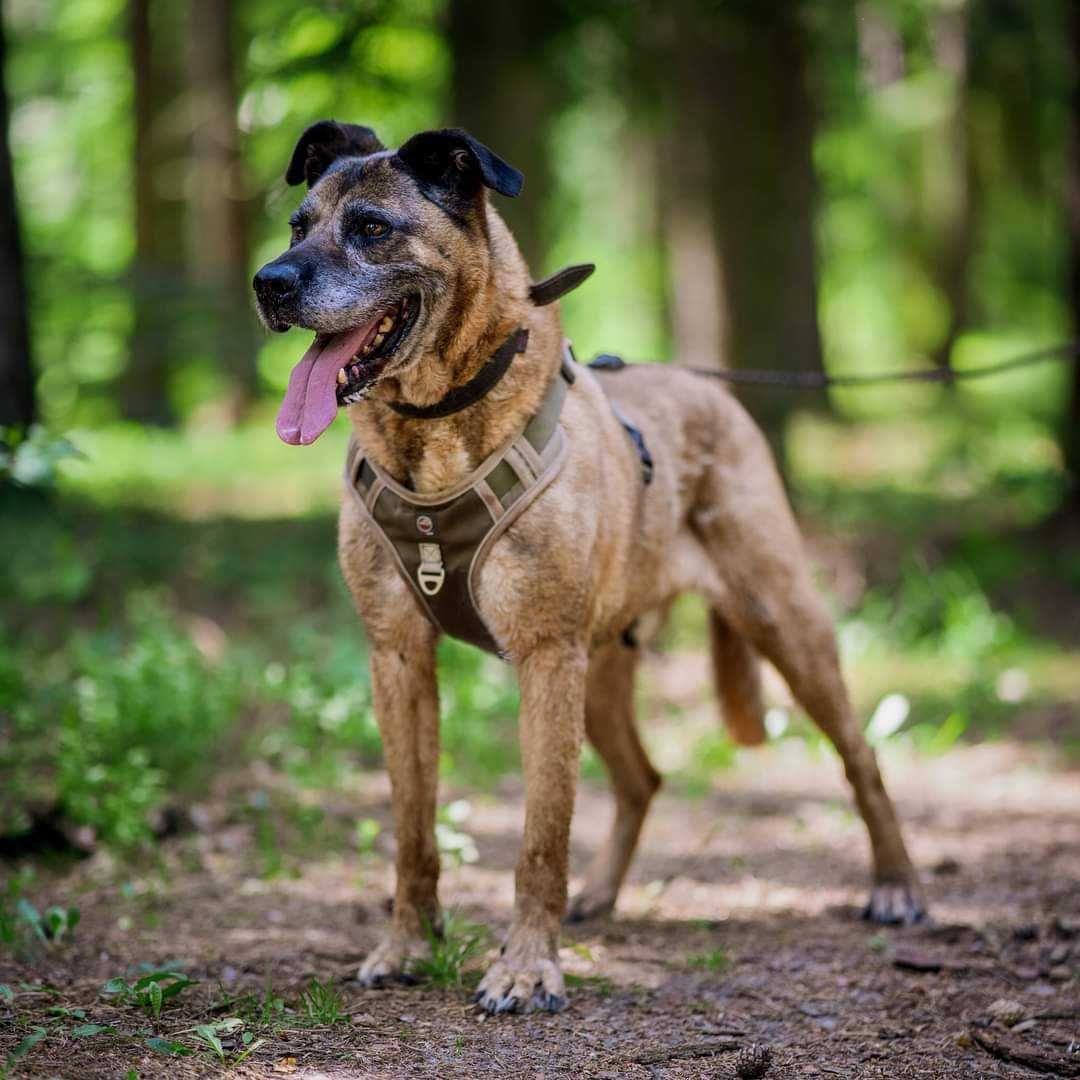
219,244
763,197
17,400
504,95
1071,419
696,290
158,276
956,195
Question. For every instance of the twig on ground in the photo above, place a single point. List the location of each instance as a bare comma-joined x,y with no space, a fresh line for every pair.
689,1050
1013,1052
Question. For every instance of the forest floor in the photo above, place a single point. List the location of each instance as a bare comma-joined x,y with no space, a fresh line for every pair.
739,925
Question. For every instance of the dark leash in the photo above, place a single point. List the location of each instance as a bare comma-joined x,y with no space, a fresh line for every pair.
1065,351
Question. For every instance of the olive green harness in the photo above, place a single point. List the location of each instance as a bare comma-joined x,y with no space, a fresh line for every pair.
439,542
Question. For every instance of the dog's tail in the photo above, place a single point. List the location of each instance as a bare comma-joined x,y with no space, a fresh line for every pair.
737,672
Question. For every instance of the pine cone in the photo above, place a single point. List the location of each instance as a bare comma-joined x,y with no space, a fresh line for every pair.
753,1061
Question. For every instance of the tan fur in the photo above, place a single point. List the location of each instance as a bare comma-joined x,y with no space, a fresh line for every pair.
597,551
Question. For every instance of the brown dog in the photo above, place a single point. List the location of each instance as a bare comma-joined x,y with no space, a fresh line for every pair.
412,281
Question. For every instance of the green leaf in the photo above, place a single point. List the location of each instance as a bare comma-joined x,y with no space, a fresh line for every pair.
116,986
84,1031
251,1048
168,1048
26,1045
209,1036
7,995
157,999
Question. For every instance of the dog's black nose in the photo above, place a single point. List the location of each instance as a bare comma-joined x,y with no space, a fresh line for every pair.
276,282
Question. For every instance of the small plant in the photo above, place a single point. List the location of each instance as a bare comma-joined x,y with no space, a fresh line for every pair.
151,991
20,1051
715,961
210,1036
599,984
321,1003
24,929
450,951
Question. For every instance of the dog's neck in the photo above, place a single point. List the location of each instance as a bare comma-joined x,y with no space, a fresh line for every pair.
432,455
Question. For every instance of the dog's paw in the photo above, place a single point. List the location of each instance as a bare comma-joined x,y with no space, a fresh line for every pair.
589,905
522,981
390,960
896,904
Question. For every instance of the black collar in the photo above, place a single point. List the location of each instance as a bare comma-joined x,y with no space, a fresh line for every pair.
461,397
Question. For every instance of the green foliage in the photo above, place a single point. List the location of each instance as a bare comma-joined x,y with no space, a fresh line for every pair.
210,1038
456,846
133,720
715,961
451,949
150,991
23,1047
29,459
322,1003
24,930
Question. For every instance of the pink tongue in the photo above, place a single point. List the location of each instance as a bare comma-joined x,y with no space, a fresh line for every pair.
310,403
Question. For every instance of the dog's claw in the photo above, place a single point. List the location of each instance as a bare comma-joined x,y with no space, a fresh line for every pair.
544,1001
390,961
522,983
895,905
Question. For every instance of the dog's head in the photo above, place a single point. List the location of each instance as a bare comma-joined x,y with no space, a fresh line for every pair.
384,245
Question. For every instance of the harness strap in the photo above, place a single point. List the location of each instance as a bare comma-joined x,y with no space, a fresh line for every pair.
610,362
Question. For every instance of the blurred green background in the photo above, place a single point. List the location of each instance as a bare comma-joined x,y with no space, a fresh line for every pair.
854,186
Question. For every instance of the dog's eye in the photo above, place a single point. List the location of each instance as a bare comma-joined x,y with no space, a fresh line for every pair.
372,229
299,230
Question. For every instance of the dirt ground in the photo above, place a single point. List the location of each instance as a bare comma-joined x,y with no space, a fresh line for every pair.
739,926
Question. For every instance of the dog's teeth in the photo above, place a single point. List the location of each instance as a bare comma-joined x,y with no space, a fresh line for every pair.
386,325
379,339
342,378
367,348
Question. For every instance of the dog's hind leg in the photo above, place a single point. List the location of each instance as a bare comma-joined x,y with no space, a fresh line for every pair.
750,533
609,725
407,709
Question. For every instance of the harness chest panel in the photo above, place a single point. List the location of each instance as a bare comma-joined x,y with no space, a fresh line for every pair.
439,542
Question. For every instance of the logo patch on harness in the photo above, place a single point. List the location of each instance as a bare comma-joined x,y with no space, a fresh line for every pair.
431,575
425,525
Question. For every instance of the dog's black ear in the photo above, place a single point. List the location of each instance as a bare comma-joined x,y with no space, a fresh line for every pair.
454,160
323,143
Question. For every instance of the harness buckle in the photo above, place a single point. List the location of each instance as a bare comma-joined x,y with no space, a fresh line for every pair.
431,574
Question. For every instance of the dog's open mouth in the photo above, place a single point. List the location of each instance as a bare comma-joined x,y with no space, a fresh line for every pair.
339,369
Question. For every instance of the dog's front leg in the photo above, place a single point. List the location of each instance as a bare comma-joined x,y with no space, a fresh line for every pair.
527,974
407,708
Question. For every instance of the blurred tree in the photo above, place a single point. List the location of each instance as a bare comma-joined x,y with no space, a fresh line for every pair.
954,224
506,92
219,242
158,275
744,120
17,402
1071,418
